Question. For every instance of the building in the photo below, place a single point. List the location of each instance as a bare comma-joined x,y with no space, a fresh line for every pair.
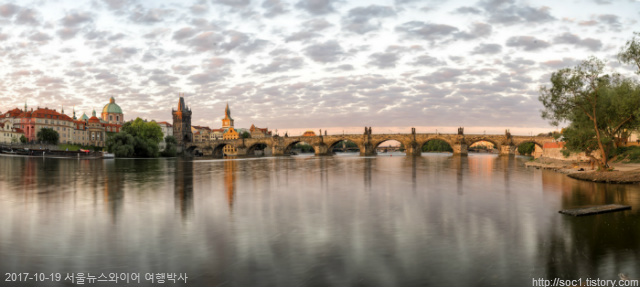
227,122
257,132
167,130
8,133
309,134
84,131
182,123
112,113
230,134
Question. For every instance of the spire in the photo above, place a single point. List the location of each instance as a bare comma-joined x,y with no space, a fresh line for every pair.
62,110
25,106
74,112
93,114
227,112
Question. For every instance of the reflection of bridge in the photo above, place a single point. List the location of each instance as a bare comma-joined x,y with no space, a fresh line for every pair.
367,143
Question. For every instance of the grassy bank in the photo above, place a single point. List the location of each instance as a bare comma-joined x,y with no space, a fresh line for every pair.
75,147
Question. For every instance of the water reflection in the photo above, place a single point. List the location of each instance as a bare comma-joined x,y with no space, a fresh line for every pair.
183,187
440,220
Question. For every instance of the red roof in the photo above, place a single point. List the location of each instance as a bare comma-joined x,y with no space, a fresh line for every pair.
94,120
165,123
553,145
19,131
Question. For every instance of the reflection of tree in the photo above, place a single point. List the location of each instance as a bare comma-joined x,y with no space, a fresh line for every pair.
183,187
113,191
581,247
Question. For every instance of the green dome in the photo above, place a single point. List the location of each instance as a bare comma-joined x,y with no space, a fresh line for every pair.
112,107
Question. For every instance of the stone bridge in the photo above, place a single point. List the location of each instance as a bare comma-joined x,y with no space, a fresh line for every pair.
367,143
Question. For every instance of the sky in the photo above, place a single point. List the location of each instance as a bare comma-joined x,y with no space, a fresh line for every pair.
308,64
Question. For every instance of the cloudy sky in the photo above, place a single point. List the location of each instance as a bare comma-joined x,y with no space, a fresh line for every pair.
307,64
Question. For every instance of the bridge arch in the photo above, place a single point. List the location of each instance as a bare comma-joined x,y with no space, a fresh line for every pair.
496,144
291,144
424,142
336,143
259,145
436,138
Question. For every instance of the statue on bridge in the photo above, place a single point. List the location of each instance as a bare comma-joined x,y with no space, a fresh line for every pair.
507,133
460,131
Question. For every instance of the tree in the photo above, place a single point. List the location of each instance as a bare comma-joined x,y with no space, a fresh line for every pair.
245,135
527,148
436,145
48,136
598,107
23,139
630,52
171,144
137,138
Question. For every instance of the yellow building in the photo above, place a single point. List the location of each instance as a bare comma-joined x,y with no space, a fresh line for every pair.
230,134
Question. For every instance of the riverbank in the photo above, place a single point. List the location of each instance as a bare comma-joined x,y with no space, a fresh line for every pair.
626,173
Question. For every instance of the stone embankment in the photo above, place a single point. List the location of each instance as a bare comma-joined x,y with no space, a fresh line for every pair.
621,173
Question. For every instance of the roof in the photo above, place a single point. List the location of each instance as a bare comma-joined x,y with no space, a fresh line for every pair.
112,107
165,123
553,145
94,119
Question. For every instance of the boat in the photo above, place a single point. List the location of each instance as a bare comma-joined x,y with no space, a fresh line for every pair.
108,155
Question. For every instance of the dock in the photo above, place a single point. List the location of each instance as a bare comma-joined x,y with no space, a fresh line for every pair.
595,209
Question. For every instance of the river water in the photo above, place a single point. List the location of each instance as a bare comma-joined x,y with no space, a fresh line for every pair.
434,220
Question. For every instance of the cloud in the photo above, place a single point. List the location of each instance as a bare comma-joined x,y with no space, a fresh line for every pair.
149,16
442,75
274,8
560,64
75,19
117,4
383,60
232,3
507,12
310,30
326,52
316,7
426,31
426,60
484,49
478,30
183,33
611,20
67,33
279,64
40,37
529,43
28,17
568,38
467,10
8,10
360,20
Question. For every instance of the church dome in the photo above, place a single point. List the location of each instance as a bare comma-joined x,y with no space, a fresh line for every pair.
112,107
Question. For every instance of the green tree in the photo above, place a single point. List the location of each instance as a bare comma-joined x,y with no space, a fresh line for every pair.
48,136
137,138
23,139
598,107
436,145
527,148
245,135
630,52
170,148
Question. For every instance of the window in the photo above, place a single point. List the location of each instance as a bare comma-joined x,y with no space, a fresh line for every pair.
117,118
110,117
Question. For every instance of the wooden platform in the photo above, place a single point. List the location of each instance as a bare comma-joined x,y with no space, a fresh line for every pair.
595,209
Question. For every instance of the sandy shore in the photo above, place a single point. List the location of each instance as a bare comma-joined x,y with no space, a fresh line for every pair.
622,172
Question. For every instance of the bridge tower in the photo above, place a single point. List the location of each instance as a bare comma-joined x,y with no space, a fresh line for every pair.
182,123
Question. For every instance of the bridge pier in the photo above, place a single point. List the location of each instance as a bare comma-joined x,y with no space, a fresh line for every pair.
368,150
321,149
507,149
241,151
460,149
413,149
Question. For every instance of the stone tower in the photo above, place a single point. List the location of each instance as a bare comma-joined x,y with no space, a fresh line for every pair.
227,122
182,123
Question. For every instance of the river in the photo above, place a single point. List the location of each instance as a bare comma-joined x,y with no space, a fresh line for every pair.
345,220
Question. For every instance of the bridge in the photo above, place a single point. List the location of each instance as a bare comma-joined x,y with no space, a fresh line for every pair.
366,142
